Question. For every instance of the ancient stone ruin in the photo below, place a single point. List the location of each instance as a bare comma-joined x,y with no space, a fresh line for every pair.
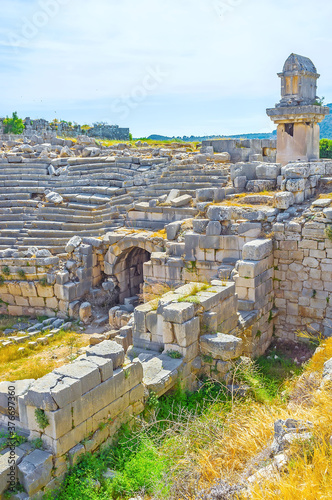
179,261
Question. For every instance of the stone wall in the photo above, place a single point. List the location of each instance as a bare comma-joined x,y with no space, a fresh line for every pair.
83,404
303,276
244,149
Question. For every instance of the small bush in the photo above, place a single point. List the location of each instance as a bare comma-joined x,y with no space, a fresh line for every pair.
41,418
43,281
174,354
6,270
21,273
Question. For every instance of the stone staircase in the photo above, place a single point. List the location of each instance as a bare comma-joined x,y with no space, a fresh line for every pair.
97,194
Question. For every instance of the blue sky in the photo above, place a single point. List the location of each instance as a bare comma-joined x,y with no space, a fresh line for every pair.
172,67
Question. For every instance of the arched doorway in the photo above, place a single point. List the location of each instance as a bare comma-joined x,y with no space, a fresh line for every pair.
128,270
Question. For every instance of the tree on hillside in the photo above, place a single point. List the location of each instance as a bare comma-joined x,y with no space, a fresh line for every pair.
13,125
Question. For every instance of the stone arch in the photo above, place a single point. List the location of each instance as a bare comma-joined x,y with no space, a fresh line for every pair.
128,270
125,258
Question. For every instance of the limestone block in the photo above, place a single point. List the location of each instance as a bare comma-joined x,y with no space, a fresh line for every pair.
210,321
283,200
268,171
187,333
23,301
199,225
52,303
294,185
299,197
187,353
60,421
109,350
178,312
84,371
14,288
136,394
182,201
85,312
28,289
259,185
36,301
15,310
221,157
243,169
240,182
296,170
172,230
213,228
54,197
216,212
73,243
35,471
257,250
221,346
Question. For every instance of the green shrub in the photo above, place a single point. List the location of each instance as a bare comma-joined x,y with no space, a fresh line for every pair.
13,125
6,270
21,273
174,354
41,418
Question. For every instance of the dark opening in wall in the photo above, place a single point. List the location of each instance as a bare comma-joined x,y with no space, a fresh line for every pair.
289,129
129,271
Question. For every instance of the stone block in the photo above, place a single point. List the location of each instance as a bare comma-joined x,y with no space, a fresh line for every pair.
172,230
213,228
182,201
84,371
257,250
178,312
109,350
187,333
28,289
283,200
268,171
296,170
35,471
221,346
85,312
294,185
240,182
199,225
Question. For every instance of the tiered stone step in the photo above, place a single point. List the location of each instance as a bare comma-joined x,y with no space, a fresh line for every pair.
160,372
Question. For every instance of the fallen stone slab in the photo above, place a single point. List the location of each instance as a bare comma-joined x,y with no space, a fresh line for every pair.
182,201
221,346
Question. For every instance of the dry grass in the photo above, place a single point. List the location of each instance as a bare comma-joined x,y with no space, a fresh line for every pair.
154,291
160,234
36,362
230,445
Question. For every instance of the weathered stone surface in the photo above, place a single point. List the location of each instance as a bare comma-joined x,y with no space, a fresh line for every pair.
84,371
257,249
35,471
283,200
178,312
182,201
54,197
172,230
268,171
74,242
221,346
109,350
85,312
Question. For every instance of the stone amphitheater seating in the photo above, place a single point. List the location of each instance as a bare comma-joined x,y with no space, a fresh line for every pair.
97,194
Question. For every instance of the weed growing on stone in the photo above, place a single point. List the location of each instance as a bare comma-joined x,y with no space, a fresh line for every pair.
174,354
41,418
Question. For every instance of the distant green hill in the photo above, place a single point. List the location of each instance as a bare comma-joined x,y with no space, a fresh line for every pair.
195,138
326,125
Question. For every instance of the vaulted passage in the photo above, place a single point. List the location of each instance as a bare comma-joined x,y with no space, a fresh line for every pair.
128,270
